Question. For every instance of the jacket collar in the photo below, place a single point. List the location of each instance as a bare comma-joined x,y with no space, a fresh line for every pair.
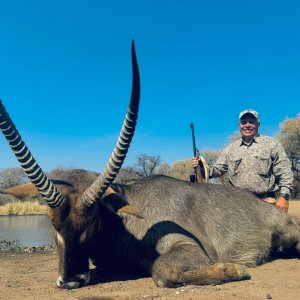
255,139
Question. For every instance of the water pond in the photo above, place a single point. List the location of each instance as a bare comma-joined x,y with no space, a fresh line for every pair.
28,231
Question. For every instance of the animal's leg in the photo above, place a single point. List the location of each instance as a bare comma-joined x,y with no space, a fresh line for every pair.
297,247
187,264
288,240
294,251
216,274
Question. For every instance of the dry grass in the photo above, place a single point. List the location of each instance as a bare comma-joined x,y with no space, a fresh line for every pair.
23,208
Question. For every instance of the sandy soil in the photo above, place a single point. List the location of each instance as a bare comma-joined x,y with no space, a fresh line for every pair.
33,275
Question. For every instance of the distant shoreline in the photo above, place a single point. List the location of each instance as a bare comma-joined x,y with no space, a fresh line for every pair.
12,246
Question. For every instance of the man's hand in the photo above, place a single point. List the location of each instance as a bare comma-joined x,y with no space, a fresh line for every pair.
195,162
282,203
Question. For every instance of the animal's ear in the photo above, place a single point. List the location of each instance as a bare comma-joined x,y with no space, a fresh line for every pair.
21,191
119,205
130,210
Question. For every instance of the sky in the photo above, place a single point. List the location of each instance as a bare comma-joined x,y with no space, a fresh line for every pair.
65,74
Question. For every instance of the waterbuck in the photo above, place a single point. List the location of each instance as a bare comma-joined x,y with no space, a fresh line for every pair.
178,232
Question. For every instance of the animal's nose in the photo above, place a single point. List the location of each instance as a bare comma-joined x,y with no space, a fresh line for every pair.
59,281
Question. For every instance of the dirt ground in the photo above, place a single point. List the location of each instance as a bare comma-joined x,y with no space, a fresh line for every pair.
33,275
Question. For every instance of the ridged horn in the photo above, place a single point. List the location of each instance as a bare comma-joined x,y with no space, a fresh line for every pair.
96,190
43,184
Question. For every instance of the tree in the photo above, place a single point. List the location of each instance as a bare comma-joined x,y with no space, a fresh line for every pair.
182,169
147,165
79,178
211,156
10,177
289,136
164,169
236,136
127,175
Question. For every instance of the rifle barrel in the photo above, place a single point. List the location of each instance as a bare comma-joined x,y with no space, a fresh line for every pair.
194,141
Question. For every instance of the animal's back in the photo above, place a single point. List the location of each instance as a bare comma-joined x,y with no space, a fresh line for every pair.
239,226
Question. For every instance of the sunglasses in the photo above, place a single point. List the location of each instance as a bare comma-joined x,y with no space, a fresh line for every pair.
250,121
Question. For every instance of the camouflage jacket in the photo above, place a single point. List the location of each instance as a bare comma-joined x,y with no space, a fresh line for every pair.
260,167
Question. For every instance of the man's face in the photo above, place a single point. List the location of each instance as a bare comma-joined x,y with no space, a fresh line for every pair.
248,126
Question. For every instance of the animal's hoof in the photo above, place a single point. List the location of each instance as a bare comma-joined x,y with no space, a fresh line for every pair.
242,273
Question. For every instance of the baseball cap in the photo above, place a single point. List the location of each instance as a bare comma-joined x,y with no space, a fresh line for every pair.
249,111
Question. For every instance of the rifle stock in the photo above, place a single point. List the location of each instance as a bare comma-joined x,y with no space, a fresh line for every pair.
199,177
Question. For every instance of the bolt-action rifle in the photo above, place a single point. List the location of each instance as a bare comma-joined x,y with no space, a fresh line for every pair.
198,176
202,170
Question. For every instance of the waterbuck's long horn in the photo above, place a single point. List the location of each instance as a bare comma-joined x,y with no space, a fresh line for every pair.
44,185
96,190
